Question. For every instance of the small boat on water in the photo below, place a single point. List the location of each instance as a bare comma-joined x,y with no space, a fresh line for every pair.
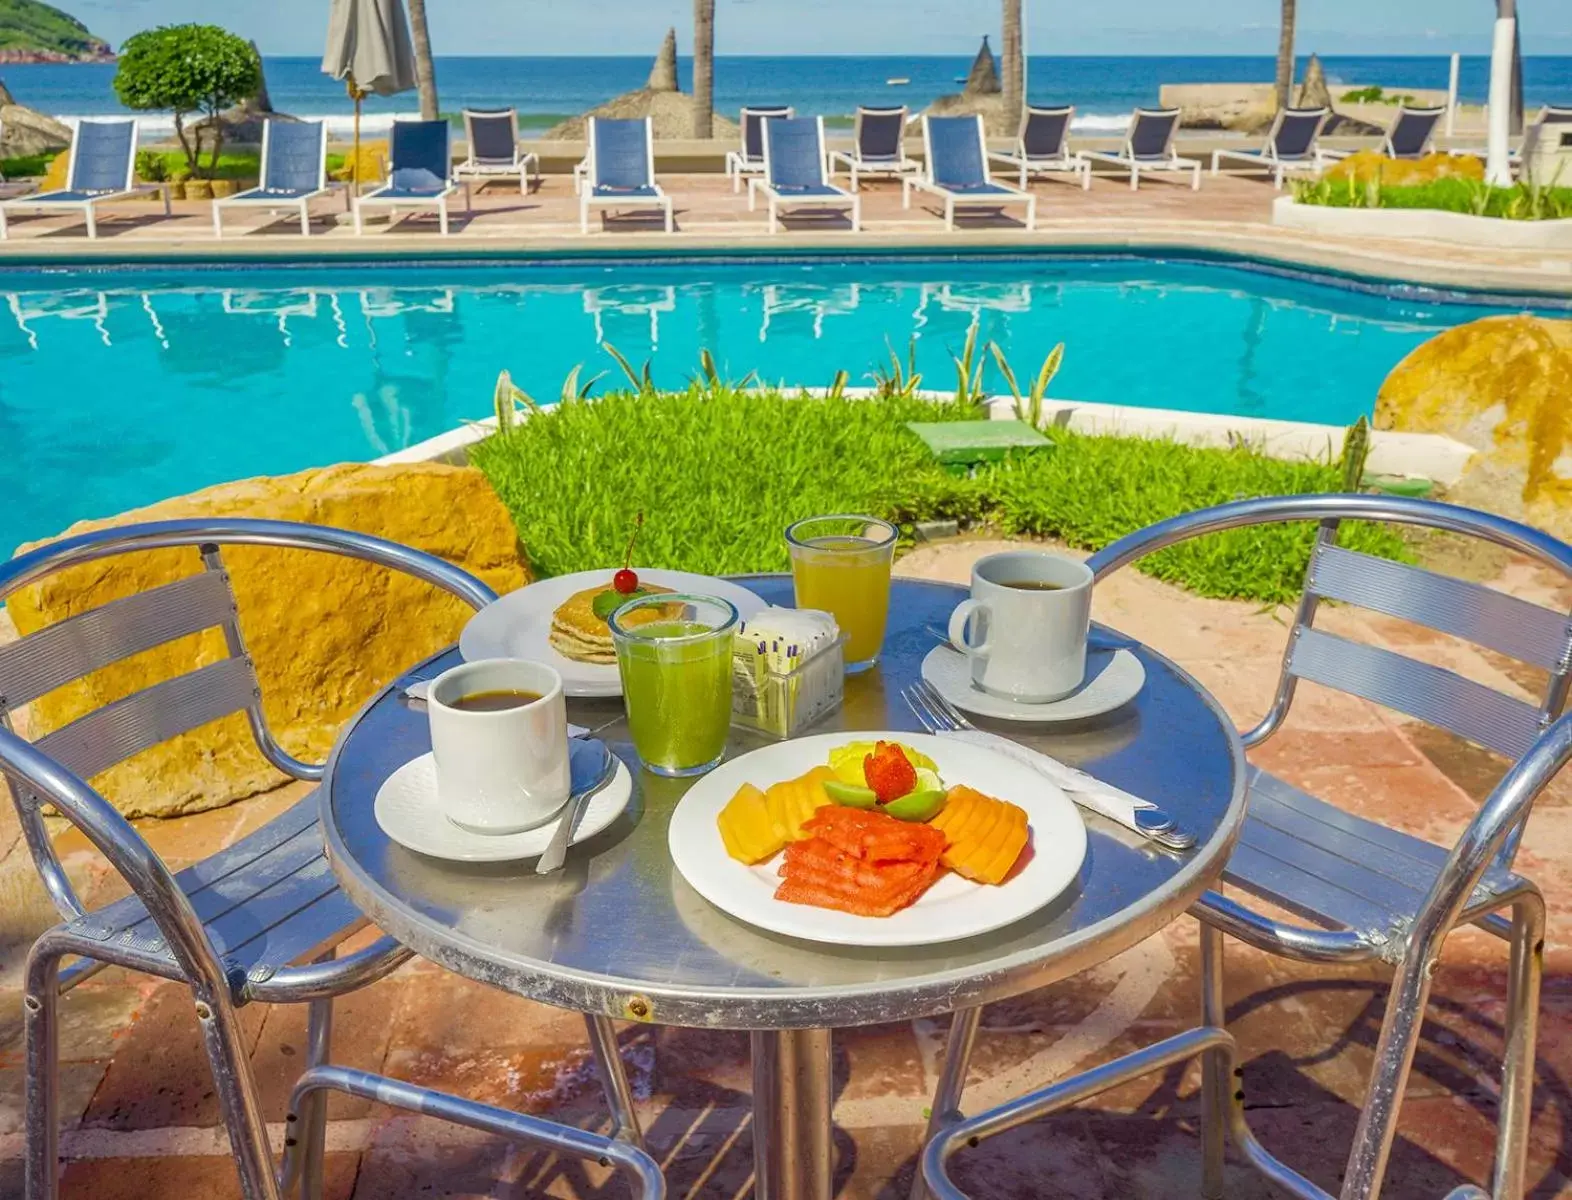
897,81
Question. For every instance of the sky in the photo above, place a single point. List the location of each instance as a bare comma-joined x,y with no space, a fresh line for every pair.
288,27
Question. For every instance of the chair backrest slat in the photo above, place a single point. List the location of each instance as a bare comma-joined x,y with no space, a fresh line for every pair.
881,133
103,156
1479,614
79,645
93,743
492,134
794,152
955,151
1152,132
1297,131
421,154
1432,694
1044,131
753,118
294,156
1412,130
620,153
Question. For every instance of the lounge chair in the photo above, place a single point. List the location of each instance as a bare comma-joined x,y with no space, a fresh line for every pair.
420,176
1044,146
749,159
1292,144
294,173
878,145
494,152
102,167
621,171
1550,115
794,171
957,170
1410,135
1149,146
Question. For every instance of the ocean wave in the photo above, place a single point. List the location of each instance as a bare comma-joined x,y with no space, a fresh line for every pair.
340,125
1101,123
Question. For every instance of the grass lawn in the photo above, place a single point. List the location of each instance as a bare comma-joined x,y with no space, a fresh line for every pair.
719,473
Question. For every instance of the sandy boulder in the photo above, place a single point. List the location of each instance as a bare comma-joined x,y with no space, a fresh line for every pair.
324,631
24,132
1502,385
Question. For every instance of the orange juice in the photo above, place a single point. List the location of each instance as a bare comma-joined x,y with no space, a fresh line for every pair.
846,574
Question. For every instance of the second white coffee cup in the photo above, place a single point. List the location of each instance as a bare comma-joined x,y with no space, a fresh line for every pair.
499,769
1029,614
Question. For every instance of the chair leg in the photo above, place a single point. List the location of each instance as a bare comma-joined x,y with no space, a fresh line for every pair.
613,1080
1215,1083
41,1024
92,222
1522,1028
442,217
313,1124
228,1056
946,1108
218,220
1394,1055
305,220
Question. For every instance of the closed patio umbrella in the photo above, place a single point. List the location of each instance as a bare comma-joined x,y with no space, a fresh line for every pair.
369,48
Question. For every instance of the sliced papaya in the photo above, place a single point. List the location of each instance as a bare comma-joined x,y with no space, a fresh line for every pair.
747,827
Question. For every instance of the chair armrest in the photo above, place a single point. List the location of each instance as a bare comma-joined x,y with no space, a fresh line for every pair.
334,976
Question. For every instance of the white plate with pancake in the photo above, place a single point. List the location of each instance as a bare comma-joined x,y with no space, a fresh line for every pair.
519,625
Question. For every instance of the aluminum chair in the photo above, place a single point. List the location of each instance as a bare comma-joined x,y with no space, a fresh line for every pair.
1293,143
878,146
1149,146
258,921
1043,146
1365,892
748,158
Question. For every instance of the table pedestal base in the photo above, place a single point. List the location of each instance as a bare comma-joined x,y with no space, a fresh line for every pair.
792,1096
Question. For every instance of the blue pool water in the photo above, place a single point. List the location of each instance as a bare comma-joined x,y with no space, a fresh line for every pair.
119,387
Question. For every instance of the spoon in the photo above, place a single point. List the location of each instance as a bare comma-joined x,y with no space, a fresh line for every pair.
590,767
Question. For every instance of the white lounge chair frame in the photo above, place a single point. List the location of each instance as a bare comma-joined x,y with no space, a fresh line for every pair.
1065,162
857,166
436,202
1265,159
784,201
525,163
952,199
588,199
301,205
38,203
738,163
1168,161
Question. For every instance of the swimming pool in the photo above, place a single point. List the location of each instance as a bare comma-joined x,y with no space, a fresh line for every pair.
122,386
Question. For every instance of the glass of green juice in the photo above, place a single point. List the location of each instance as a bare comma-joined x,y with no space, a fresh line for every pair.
674,653
841,565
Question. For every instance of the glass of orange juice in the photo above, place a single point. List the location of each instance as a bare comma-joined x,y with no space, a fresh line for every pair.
841,564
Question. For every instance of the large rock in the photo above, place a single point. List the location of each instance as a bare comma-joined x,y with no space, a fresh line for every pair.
324,631
25,132
1238,107
1502,385
670,113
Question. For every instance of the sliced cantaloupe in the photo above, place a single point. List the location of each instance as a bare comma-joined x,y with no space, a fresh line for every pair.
792,802
747,828
985,835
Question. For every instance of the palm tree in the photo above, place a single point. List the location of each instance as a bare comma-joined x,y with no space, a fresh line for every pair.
425,69
1285,56
703,68
1014,72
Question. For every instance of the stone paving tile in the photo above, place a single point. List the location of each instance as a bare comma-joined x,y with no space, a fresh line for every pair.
210,1178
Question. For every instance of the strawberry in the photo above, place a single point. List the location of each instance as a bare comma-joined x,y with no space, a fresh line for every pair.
888,772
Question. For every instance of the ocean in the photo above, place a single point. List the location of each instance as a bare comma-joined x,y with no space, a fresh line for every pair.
545,90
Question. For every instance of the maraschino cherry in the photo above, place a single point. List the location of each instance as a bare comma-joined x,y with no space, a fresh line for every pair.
625,581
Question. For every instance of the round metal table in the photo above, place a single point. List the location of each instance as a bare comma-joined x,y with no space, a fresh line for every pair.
618,932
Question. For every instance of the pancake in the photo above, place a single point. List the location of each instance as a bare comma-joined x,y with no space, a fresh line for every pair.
577,633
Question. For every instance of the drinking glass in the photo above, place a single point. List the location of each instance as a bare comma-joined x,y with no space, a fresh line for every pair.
676,679
841,564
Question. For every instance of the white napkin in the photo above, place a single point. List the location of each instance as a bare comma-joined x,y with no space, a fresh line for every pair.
1086,790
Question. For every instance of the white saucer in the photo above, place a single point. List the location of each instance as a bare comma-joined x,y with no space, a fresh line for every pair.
1113,677
408,812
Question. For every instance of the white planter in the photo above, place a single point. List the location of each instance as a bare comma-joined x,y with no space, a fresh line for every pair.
1430,225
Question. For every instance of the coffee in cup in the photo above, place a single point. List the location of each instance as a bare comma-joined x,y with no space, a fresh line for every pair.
1027,619
499,736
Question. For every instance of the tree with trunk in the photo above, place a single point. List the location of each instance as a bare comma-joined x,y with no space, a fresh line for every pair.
703,69
188,69
1014,67
1285,55
425,67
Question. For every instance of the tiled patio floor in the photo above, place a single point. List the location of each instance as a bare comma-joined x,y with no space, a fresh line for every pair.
144,1122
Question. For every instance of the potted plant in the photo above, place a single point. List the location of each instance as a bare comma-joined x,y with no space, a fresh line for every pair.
177,181
225,187
199,189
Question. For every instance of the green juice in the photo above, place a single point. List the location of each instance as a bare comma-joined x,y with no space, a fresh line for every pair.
678,694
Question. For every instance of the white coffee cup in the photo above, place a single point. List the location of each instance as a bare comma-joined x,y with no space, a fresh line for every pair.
499,770
1030,642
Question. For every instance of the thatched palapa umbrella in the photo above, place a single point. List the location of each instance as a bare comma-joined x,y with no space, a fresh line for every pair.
369,48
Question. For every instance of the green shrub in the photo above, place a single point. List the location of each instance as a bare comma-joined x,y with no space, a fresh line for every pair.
1520,202
719,473
26,165
188,69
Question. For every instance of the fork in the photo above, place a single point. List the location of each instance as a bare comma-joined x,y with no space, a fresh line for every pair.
938,716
